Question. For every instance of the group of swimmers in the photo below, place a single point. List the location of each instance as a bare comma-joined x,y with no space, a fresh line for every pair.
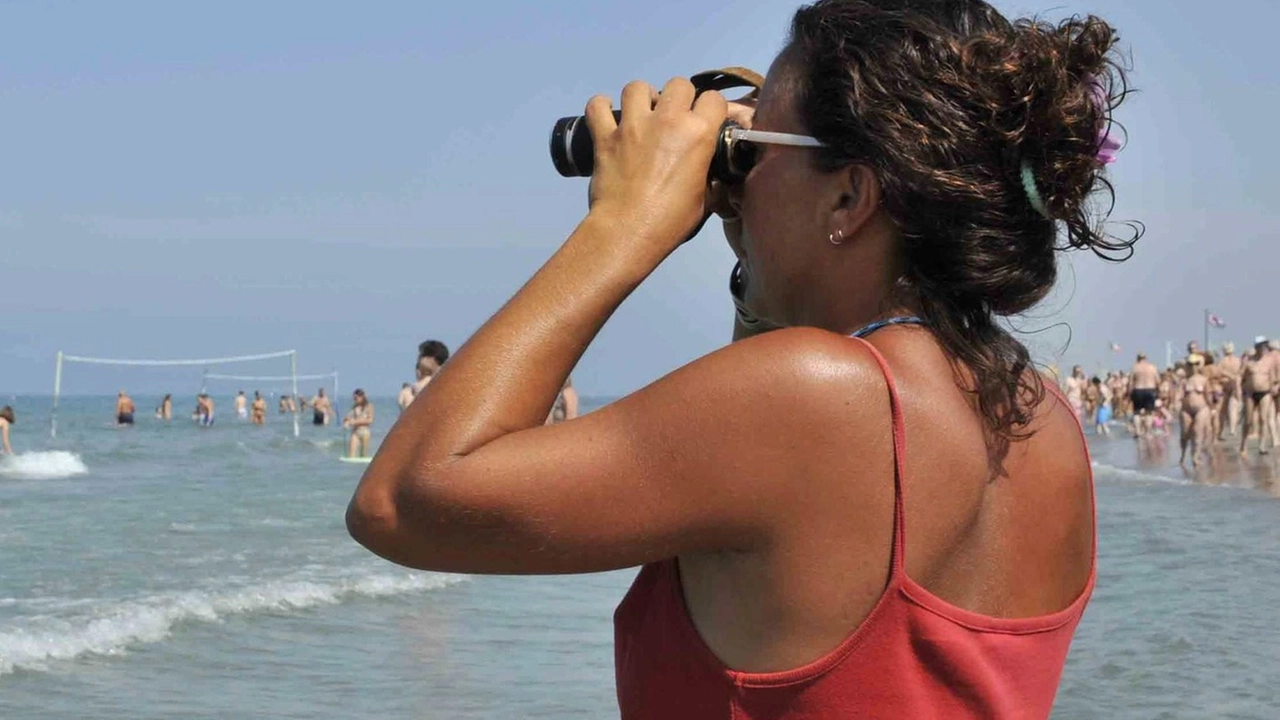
432,355
1213,395
255,412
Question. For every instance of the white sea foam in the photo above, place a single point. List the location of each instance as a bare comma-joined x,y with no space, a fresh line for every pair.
1137,475
115,627
47,465
281,523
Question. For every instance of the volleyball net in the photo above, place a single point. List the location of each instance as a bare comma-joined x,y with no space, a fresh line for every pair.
64,359
331,379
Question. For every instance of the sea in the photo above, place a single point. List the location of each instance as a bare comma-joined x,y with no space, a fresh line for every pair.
171,571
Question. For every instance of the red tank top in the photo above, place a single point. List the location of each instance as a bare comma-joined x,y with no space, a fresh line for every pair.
914,656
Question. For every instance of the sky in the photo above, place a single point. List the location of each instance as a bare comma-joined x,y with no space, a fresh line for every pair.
182,180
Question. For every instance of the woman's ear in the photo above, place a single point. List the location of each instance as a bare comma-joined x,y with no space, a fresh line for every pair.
859,199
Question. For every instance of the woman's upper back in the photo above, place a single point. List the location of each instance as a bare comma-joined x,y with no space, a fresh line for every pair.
978,620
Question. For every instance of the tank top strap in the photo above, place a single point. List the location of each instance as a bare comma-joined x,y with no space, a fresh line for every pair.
898,561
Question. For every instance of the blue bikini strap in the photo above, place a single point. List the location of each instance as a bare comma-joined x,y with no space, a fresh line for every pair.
877,325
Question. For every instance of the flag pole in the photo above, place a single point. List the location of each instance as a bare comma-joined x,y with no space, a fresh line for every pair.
1206,330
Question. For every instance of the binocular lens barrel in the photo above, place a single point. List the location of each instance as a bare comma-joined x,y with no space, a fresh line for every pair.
572,149
574,155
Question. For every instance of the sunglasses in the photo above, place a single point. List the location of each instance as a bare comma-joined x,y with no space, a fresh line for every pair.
743,148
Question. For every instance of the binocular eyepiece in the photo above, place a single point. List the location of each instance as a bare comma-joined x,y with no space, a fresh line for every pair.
573,151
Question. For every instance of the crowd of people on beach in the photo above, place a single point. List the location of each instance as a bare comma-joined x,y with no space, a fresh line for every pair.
1211,395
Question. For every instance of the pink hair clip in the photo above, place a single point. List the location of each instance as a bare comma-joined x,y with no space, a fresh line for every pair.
1108,149
1108,146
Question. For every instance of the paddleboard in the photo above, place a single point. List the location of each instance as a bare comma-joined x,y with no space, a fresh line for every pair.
356,460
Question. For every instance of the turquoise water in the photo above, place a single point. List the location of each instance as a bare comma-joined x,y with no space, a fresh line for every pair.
170,571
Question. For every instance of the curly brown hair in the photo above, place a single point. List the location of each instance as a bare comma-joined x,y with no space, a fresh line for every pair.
945,100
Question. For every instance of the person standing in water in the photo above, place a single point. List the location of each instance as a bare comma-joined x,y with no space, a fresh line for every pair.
242,406
259,409
165,410
432,355
1216,394
124,409
1102,415
1144,380
358,421
204,409
321,409
1074,386
6,419
405,397
1195,413
1229,368
1258,378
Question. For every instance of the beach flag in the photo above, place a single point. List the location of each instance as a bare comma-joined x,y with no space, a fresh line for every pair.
1115,347
1216,321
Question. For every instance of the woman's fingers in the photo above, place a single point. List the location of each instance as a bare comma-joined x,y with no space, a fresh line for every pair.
600,120
651,167
677,95
711,106
638,99
742,111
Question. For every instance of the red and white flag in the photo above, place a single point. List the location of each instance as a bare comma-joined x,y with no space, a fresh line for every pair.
1216,321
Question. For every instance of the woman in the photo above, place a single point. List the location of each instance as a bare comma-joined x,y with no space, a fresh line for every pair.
165,410
358,420
1195,414
894,524
1092,396
258,410
6,419
1075,387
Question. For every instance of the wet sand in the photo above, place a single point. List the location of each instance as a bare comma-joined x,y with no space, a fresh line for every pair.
1223,466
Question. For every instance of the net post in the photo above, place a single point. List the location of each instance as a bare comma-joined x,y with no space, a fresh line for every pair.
57,390
293,373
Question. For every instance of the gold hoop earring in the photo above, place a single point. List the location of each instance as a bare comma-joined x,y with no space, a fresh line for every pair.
836,238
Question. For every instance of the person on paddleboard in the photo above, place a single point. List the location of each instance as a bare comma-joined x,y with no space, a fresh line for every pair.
358,420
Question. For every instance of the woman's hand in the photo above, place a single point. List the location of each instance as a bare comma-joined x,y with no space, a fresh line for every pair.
741,112
650,176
